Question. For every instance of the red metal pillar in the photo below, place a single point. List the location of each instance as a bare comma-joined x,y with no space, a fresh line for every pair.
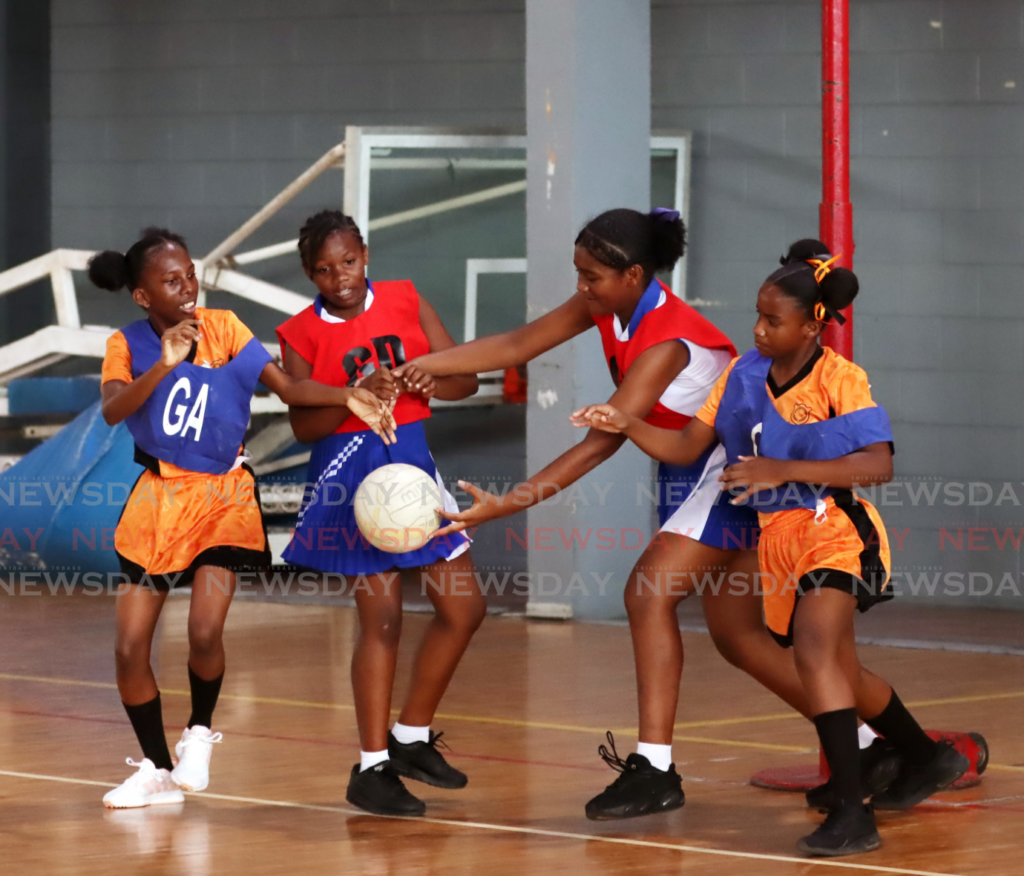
836,211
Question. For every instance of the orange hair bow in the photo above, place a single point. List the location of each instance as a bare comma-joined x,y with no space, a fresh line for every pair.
822,268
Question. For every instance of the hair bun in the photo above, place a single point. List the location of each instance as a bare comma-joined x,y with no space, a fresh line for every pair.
838,288
805,249
109,270
668,238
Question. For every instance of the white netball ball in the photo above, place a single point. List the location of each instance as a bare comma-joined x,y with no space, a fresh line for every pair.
395,507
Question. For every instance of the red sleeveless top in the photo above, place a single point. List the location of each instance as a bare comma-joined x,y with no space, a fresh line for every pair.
386,334
650,325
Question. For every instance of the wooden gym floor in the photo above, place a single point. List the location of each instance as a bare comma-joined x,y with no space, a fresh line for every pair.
524,716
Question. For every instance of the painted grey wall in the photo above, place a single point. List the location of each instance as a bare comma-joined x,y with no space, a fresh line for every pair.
937,138
193,113
586,61
24,158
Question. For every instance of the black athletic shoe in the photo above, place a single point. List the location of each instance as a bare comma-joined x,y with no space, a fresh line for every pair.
846,831
423,762
380,791
916,783
880,763
640,789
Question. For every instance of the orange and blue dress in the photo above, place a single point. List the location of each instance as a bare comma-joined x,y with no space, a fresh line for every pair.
196,502
811,535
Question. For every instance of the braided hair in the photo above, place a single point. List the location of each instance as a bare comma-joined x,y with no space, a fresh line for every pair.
317,228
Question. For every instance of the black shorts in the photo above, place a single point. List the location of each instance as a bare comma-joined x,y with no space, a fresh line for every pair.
234,559
867,593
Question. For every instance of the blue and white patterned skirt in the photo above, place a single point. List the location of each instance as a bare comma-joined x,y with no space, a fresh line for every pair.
692,503
326,535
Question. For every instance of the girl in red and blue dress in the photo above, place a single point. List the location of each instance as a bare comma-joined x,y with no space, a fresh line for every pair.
354,334
664,358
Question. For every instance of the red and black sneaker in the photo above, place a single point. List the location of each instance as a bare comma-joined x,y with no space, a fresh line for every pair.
916,783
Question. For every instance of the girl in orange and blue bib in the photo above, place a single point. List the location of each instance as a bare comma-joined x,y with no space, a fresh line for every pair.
181,379
801,431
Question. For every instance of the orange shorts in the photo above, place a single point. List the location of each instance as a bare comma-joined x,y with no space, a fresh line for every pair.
170,523
845,548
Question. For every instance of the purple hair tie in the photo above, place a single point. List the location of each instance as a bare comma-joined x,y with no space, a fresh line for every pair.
664,214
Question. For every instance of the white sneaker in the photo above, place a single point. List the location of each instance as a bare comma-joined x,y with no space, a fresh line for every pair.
147,787
193,770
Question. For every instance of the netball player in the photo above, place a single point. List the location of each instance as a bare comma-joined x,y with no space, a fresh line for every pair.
181,378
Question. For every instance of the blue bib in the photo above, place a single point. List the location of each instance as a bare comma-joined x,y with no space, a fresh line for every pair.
748,424
196,417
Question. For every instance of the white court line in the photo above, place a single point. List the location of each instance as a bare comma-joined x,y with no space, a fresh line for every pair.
508,828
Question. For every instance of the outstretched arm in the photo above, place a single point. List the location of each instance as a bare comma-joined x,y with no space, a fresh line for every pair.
675,446
412,378
647,379
508,349
323,407
863,468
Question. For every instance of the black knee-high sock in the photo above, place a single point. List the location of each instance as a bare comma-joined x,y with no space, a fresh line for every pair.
838,734
898,726
204,698
148,722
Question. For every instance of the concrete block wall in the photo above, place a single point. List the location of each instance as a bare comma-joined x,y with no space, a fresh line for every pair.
194,114
937,141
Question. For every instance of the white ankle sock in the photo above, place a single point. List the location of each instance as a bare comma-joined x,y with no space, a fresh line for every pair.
865,736
406,734
369,759
660,756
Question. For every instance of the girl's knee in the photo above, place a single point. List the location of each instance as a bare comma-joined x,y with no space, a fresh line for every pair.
131,654
462,614
204,637
813,655
641,600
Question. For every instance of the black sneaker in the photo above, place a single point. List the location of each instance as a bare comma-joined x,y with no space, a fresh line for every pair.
880,763
916,783
849,830
423,762
640,789
380,791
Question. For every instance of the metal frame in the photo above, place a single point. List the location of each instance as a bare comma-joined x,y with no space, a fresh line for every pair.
361,149
474,268
361,152
680,144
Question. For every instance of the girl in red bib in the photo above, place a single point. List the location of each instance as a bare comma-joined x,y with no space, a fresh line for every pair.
664,358
353,334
